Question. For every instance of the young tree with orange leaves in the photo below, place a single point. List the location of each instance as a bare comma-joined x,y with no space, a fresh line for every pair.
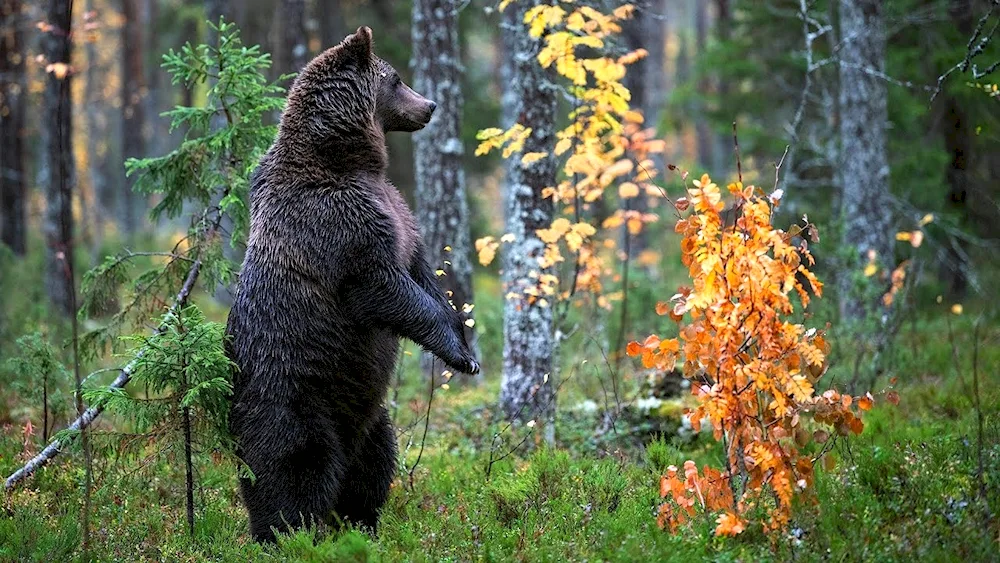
753,371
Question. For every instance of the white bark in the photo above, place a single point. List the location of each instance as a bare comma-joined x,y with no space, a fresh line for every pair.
527,389
864,168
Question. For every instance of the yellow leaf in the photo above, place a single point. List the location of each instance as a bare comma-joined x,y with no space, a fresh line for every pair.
530,157
927,219
903,236
956,309
60,70
561,225
634,226
627,190
633,116
870,269
563,145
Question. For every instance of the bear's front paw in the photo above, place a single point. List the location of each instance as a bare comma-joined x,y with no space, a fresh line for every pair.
469,365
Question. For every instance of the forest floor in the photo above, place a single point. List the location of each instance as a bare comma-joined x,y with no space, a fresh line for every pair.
915,485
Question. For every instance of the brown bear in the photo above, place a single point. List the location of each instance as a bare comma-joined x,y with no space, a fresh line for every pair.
334,275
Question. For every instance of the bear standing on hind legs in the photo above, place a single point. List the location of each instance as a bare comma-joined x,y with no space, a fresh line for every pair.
334,275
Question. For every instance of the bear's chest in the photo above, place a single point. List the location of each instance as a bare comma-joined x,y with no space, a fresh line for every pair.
404,225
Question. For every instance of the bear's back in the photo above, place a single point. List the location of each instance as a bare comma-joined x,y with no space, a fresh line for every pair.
293,338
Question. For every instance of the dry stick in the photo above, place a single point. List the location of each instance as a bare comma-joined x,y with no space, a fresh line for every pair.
979,421
427,423
88,417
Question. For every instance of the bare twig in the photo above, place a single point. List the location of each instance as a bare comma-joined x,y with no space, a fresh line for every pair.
975,47
427,423
979,423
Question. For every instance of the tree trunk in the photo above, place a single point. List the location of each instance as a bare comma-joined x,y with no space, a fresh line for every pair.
331,23
706,140
527,389
865,207
645,79
724,142
13,214
293,52
958,139
442,209
58,122
133,106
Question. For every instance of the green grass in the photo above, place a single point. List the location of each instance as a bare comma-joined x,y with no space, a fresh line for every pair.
904,490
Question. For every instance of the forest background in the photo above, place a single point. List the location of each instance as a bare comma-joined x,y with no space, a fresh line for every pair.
869,129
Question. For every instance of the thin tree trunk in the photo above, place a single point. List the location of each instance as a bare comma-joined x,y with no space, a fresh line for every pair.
105,195
864,167
59,197
442,209
133,106
706,140
13,193
58,225
645,80
188,462
527,389
724,142
958,141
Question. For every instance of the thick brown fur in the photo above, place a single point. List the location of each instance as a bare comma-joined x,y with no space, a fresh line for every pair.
334,275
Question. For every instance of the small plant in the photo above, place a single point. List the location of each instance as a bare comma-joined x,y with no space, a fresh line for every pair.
41,378
753,372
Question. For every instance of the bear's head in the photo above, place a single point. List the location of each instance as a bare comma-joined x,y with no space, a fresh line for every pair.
348,95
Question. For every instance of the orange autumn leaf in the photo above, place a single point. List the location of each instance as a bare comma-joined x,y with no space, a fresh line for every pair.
662,308
729,524
865,403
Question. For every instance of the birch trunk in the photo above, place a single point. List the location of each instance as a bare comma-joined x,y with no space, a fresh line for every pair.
864,169
527,391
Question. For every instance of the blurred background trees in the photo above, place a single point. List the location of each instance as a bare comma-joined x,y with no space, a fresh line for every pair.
848,86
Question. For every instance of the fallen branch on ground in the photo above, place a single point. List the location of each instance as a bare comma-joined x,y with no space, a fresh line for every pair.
91,414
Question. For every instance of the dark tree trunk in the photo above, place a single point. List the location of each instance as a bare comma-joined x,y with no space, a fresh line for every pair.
293,51
13,214
442,209
646,81
58,121
331,23
705,138
958,142
133,110
864,167
724,142
527,389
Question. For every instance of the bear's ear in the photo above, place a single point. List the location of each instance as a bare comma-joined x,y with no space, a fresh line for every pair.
359,45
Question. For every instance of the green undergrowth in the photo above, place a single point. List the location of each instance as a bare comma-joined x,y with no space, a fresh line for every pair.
906,489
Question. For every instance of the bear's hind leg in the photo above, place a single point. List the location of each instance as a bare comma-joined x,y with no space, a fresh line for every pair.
299,471
369,475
